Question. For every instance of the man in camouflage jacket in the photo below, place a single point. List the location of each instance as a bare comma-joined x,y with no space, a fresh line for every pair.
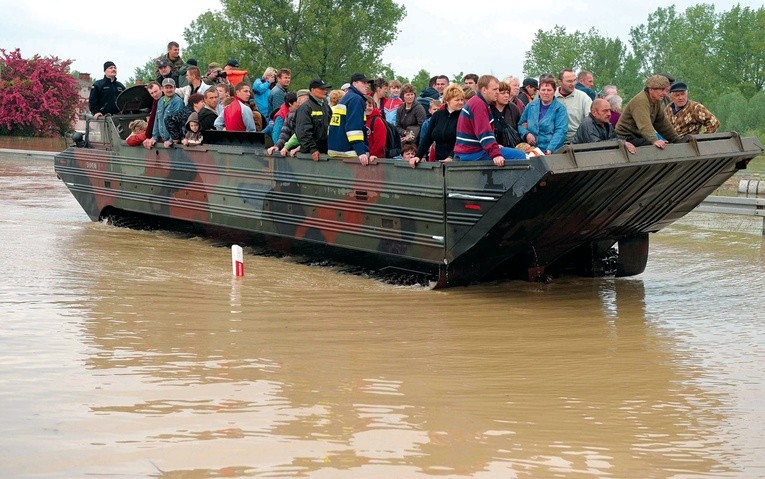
688,116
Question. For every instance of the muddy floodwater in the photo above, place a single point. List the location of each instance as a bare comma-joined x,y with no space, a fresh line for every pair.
129,354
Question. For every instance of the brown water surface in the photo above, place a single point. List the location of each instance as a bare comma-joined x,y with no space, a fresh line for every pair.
136,354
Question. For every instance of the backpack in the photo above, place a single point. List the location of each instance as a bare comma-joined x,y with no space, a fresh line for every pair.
392,140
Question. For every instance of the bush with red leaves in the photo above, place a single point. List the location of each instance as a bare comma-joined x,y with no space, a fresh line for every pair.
38,96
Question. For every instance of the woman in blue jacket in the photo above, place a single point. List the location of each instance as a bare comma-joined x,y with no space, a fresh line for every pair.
261,88
544,121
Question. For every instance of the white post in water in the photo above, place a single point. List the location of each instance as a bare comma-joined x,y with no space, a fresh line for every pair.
237,261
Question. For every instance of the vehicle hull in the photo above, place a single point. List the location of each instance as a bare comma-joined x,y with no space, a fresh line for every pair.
456,223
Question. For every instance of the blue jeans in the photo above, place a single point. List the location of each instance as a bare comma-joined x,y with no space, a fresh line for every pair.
507,153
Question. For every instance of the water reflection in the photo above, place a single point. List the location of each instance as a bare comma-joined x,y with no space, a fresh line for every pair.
347,374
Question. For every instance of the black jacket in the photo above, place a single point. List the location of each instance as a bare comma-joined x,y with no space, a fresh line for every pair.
311,125
427,94
442,130
103,96
207,119
176,124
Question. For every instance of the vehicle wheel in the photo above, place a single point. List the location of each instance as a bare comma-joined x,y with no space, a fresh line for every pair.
633,255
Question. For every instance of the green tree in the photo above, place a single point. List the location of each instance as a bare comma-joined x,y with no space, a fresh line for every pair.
552,51
731,110
607,58
741,49
421,80
755,112
328,39
146,73
682,45
210,39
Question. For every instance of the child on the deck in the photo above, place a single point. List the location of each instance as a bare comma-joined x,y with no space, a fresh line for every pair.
138,133
193,134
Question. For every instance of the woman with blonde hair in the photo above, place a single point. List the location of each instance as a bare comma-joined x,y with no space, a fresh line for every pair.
138,135
442,129
262,90
334,97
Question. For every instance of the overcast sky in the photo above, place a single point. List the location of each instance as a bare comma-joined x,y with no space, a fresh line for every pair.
441,36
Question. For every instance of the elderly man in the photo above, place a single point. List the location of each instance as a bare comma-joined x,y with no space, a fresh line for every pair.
577,103
104,93
609,90
688,116
597,126
643,119
312,120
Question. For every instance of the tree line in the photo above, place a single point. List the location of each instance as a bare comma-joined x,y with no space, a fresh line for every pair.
721,56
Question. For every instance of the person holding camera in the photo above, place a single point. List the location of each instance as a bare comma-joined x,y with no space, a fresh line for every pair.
215,75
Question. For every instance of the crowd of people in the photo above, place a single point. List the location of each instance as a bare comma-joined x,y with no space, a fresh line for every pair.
483,118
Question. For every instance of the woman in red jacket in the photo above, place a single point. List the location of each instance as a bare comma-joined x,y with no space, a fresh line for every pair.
376,127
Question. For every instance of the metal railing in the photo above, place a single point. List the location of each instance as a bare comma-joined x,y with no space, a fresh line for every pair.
733,205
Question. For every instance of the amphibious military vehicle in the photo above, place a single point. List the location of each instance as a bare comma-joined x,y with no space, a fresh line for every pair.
588,209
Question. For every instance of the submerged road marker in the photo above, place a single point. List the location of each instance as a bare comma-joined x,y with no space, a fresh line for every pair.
237,261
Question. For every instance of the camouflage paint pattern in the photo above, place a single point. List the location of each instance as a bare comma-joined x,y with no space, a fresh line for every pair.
458,222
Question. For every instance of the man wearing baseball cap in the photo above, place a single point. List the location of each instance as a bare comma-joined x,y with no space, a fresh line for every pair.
234,74
165,71
347,131
104,92
166,106
312,120
528,90
643,121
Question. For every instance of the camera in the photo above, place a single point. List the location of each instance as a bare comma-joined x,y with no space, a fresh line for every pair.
222,74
